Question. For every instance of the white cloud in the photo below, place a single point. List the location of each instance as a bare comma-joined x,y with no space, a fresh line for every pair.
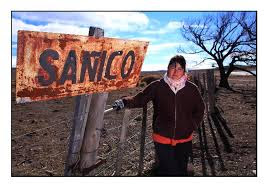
155,48
174,25
154,23
78,22
169,28
118,21
122,21
51,27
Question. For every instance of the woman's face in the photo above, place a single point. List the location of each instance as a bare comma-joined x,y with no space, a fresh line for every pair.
175,71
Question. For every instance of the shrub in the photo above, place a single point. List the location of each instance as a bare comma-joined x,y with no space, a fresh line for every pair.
148,79
142,84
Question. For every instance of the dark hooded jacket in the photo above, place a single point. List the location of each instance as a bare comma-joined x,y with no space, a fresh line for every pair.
175,116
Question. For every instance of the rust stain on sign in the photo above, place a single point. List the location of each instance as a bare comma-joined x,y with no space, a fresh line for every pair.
51,65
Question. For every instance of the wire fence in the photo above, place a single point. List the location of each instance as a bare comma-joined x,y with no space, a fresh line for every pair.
131,148
131,145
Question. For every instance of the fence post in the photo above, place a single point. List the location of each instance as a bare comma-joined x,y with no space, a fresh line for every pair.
211,89
77,132
199,82
122,141
80,121
94,125
205,94
142,138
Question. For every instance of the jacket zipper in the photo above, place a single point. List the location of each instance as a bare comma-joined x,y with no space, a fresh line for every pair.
175,118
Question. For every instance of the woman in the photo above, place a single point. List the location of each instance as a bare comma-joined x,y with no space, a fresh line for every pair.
178,111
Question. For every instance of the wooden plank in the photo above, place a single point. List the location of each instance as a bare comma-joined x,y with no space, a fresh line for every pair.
77,132
91,139
90,145
80,121
51,65
205,95
210,84
122,141
142,140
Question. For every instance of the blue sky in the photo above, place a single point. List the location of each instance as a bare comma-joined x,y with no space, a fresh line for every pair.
161,29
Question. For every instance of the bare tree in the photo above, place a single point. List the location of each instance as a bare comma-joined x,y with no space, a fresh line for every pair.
227,38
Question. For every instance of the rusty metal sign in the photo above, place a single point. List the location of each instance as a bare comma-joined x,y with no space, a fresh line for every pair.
51,65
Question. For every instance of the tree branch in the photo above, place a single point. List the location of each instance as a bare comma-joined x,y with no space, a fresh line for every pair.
239,68
203,61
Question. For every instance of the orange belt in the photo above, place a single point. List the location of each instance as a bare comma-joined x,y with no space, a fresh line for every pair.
164,140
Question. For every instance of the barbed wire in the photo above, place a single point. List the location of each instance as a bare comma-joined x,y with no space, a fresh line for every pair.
131,121
113,150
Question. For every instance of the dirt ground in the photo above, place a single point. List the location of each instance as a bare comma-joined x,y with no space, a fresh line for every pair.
225,145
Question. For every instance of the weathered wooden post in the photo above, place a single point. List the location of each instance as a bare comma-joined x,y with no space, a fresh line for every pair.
94,125
210,84
142,139
88,153
83,133
122,141
76,138
198,81
205,95
193,73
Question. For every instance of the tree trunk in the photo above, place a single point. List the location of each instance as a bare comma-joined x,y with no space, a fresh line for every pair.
231,69
224,82
224,77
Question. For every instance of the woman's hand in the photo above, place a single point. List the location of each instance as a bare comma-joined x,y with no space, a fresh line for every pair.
118,104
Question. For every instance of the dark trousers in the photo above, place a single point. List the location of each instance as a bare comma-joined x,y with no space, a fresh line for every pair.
172,160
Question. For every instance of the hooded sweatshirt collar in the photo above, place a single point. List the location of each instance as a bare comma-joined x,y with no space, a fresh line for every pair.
175,85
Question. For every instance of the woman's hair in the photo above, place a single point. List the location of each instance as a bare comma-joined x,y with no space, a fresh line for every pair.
178,59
